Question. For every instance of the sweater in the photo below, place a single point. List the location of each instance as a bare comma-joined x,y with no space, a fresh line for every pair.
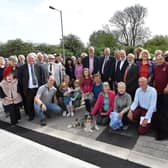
10,89
122,103
98,107
87,85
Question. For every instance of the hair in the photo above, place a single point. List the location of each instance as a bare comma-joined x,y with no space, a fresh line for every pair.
137,52
83,77
146,52
63,85
121,84
131,55
13,58
77,81
158,52
143,78
97,75
106,84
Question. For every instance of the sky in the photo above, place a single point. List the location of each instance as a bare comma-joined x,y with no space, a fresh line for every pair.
32,20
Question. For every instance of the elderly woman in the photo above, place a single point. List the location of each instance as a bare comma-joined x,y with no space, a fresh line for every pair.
146,67
13,61
122,104
104,105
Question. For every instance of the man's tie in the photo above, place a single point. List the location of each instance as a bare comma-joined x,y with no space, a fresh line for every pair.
34,79
104,63
126,72
50,68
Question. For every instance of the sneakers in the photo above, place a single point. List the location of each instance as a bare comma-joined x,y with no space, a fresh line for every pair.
72,114
64,113
68,114
43,122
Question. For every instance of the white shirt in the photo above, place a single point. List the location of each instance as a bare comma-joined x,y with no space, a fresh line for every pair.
122,63
31,85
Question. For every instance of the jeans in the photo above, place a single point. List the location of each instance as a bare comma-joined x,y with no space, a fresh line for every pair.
51,107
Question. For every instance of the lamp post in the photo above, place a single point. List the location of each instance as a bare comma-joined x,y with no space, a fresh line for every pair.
63,50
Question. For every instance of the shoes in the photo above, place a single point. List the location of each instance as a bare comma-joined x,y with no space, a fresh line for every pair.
64,113
72,114
68,114
125,127
43,122
30,119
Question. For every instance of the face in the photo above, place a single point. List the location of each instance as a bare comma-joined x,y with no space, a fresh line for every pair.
107,51
9,78
122,55
86,73
13,63
159,60
2,61
51,59
51,80
121,89
79,60
130,58
91,51
143,83
97,79
69,62
31,59
106,88
117,55
66,80
144,56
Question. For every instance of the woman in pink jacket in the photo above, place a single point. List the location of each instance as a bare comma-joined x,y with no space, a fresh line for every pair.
104,105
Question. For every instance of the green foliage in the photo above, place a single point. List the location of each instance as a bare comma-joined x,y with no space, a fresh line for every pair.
157,42
102,39
73,44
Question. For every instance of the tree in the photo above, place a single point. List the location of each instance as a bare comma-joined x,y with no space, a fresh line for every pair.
157,42
102,39
129,25
73,44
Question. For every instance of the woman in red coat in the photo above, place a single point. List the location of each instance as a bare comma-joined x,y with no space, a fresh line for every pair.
104,105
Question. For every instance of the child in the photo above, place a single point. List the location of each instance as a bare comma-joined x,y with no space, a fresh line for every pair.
86,87
77,94
97,86
11,98
66,92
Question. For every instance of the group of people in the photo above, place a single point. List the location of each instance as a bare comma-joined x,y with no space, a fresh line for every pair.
115,89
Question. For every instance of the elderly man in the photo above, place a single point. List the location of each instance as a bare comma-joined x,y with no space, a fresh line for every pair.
131,75
107,67
143,106
52,68
161,85
45,100
121,67
91,62
30,78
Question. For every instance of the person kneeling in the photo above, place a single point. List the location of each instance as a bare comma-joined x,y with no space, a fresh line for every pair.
44,100
104,105
118,118
143,106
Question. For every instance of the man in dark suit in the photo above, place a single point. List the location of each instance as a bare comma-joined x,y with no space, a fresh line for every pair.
131,76
107,67
30,78
121,67
91,61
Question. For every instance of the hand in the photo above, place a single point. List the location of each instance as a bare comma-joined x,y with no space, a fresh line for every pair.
130,115
43,108
166,90
144,123
9,98
103,114
120,115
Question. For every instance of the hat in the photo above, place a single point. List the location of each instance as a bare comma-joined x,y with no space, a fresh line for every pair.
7,71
